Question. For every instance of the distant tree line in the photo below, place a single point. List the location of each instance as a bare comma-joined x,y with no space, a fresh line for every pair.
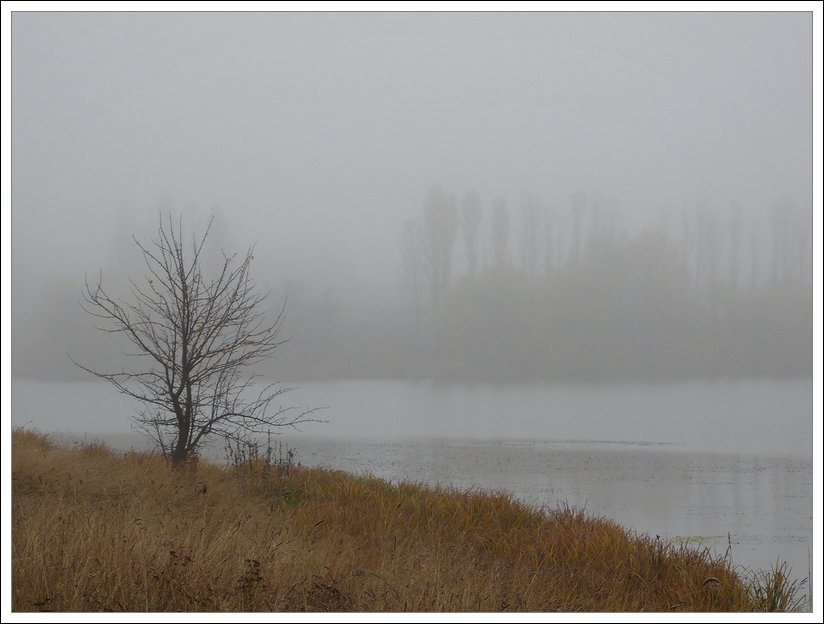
568,291
525,288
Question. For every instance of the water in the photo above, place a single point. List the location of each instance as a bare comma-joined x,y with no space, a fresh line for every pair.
713,464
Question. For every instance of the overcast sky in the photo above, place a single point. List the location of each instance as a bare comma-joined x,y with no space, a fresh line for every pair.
317,135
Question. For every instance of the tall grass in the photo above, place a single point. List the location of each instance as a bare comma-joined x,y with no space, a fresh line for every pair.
775,590
98,531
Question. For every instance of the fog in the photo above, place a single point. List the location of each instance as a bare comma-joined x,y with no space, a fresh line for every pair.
543,196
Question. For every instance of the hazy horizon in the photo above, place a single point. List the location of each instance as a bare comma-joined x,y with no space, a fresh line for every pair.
318,136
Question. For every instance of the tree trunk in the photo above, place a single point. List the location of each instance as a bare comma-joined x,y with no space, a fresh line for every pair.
179,456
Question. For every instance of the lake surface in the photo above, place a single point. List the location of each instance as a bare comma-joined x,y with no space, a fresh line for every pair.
709,463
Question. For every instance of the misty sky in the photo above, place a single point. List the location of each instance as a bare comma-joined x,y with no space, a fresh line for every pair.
317,135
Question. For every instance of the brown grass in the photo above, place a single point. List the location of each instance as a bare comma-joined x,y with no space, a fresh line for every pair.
94,530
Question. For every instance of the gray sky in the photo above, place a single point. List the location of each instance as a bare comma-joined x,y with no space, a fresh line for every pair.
317,135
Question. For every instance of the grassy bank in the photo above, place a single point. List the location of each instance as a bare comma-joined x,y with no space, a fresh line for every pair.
95,530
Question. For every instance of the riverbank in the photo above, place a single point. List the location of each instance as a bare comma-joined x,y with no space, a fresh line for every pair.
94,530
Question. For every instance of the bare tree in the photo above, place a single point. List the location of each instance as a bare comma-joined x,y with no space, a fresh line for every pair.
412,264
709,249
193,337
440,227
735,228
531,209
755,252
578,206
471,213
780,220
500,231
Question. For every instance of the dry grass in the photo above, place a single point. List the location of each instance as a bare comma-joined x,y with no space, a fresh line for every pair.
94,530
